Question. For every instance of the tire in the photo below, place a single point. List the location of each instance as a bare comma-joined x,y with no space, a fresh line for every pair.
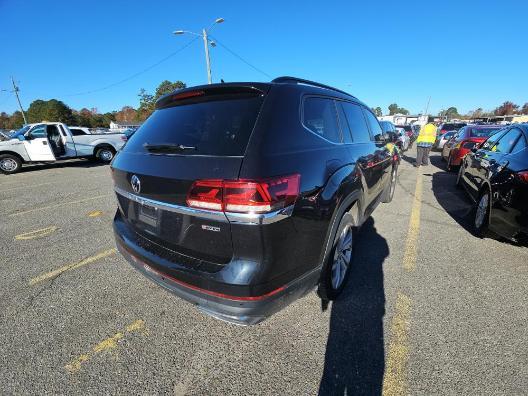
458,182
10,164
388,193
481,214
105,154
449,167
337,267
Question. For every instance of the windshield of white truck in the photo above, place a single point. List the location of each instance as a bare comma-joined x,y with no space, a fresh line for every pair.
21,131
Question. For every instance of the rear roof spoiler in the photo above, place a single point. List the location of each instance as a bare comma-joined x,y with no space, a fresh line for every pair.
295,80
187,95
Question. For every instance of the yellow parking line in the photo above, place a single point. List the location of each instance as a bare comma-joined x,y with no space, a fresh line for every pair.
57,205
395,379
95,213
107,344
36,234
411,243
69,267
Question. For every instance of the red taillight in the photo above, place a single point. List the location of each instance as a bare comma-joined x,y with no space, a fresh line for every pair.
206,194
244,196
523,176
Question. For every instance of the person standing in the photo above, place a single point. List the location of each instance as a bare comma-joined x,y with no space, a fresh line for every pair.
425,141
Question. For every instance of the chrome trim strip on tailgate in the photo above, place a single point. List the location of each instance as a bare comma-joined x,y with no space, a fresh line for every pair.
185,210
231,217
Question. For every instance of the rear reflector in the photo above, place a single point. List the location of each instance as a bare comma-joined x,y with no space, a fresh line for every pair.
244,196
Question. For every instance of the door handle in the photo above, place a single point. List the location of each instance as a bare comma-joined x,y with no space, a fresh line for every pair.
45,143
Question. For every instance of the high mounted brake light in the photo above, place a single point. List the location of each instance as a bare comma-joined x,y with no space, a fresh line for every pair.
244,196
187,95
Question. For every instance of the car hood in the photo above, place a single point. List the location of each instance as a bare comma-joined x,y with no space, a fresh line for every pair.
8,142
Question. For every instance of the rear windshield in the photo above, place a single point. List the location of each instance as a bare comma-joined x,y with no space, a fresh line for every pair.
220,127
482,132
452,127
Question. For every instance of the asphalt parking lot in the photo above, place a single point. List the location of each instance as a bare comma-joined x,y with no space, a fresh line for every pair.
429,309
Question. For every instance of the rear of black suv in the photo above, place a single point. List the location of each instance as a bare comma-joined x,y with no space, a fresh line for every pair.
231,195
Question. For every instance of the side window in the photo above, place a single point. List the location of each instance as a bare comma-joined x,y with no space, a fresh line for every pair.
39,132
520,145
356,123
490,142
319,116
374,125
347,135
63,132
77,132
506,143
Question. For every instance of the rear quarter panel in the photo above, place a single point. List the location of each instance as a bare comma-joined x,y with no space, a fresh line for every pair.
280,146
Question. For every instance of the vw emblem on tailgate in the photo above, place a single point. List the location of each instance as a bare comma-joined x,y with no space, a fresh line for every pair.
135,183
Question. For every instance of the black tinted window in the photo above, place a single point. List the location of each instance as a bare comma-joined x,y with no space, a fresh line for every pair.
319,116
77,132
374,126
356,123
214,127
506,143
488,144
520,145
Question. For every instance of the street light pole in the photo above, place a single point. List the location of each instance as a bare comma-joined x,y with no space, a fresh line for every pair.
204,36
207,59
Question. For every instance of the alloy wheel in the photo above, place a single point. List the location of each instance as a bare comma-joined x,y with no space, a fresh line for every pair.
342,257
106,155
393,182
8,164
482,210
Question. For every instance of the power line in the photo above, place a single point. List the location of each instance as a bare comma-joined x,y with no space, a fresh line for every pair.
136,74
240,58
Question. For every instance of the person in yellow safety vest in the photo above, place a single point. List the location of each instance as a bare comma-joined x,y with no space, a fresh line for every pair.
425,141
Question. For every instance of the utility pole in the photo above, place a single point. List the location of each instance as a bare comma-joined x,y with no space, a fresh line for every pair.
207,59
427,109
207,42
15,90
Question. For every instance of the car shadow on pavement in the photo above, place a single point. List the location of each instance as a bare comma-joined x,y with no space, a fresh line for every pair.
451,198
354,358
75,163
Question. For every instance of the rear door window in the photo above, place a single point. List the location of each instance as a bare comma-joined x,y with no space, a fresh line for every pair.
212,127
375,128
507,142
77,132
356,123
319,116
520,145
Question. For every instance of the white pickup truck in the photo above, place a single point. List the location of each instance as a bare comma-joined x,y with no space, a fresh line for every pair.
54,141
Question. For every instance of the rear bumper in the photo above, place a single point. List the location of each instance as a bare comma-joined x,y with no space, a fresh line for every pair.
238,309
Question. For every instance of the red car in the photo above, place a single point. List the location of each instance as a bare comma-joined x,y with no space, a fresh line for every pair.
464,140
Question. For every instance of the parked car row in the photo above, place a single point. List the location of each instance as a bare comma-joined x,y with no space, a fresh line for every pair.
492,163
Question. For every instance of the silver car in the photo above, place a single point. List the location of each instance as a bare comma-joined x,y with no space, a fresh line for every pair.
441,140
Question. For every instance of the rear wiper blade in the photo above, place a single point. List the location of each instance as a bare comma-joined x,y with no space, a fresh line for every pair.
167,147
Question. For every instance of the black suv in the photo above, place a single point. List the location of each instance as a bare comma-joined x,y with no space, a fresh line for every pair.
243,197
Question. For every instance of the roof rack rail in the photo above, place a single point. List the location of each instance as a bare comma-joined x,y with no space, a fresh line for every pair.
295,80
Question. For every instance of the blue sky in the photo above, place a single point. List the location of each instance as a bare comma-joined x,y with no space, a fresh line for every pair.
466,54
